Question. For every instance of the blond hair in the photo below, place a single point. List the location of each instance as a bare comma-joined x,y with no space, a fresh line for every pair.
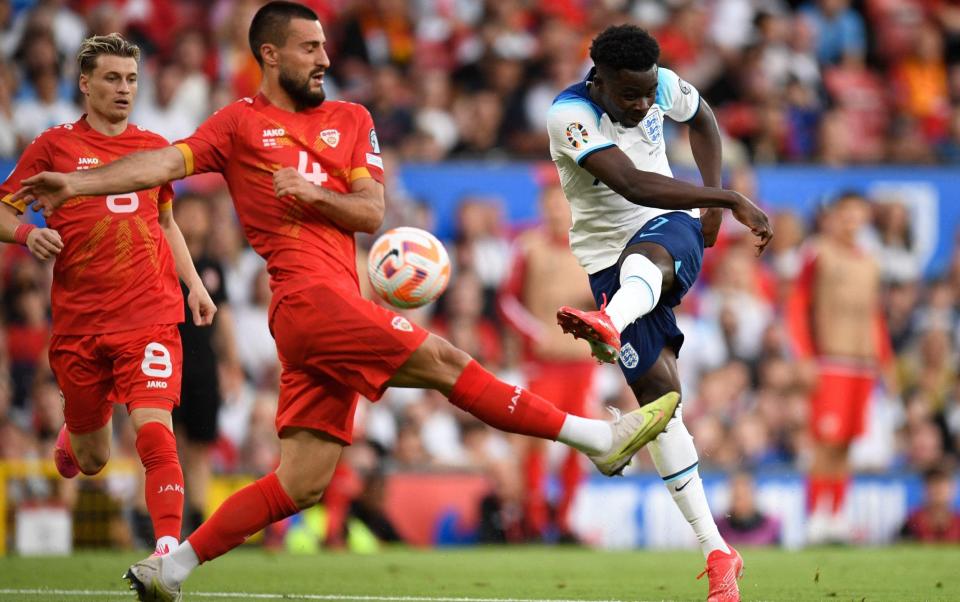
112,44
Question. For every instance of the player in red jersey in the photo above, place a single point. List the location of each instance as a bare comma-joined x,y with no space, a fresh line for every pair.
115,297
305,175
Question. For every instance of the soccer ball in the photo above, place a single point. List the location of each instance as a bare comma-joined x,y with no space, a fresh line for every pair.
408,267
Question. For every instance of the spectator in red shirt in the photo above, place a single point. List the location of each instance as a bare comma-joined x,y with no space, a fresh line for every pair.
937,521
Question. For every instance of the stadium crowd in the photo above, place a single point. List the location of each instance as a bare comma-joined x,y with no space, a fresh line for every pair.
790,82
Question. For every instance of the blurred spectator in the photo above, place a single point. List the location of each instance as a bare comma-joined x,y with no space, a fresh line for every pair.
938,520
369,507
159,112
838,28
464,324
31,117
481,246
744,523
8,135
920,80
501,510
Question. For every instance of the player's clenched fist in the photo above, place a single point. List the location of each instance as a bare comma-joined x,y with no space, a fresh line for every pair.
289,182
751,216
44,243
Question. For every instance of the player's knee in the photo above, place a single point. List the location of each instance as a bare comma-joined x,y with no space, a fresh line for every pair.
307,492
91,461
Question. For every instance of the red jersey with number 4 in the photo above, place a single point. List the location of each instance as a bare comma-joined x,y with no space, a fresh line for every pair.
116,271
331,145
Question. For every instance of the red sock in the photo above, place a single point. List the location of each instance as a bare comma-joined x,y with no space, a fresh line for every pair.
240,516
536,513
839,488
571,473
164,483
505,407
817,489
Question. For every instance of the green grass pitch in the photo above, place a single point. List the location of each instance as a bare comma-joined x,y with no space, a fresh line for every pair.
505,573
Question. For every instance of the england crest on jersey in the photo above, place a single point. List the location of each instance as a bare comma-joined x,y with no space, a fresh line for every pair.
629,357
652,127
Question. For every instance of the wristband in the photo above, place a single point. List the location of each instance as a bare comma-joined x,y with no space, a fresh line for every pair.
21,233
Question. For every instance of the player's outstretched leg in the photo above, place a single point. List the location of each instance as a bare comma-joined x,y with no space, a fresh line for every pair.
641,282
437,364
163,487
307,462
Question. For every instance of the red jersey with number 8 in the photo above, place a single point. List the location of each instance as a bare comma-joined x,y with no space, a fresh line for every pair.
116,271
331,146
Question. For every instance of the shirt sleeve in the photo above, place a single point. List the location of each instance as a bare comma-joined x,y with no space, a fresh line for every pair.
679,100
165,199
209,147
35,158
574,128
365,160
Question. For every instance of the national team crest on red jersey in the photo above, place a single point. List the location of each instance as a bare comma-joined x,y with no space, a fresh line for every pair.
330,137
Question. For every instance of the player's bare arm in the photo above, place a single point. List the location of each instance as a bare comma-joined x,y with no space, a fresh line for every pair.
708,153
198,300
48,190
43,243
615,169
361,210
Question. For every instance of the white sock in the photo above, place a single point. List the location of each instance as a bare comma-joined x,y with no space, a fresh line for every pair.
167,544
178,565
676,460
641,282
587,435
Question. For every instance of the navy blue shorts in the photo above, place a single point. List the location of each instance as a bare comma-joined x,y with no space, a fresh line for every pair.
642,341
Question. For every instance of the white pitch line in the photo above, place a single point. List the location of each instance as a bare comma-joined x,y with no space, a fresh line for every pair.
255,596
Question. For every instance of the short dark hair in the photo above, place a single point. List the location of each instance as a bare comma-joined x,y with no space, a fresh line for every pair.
269,25
625,47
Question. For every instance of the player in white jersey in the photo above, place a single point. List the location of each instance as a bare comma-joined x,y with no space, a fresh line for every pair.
640,234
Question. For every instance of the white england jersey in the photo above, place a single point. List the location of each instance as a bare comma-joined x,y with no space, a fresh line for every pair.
603,221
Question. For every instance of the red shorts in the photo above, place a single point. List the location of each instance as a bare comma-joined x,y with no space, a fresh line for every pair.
839,405
140,368
567,385
334,345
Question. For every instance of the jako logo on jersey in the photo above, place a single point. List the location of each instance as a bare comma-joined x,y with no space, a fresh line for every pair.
629,357
577,135
401,323
270,136
330,137
156,384
513,400
87,162
652,128
172,487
